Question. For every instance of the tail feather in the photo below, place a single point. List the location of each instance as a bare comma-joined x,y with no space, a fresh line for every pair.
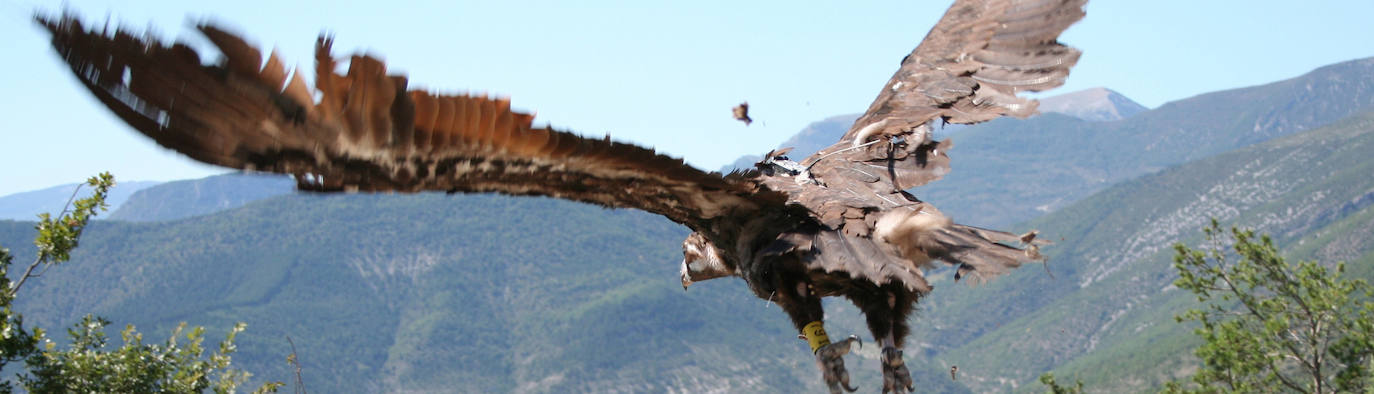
979,253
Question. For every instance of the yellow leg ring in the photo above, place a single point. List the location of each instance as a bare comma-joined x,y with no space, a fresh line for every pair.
815,335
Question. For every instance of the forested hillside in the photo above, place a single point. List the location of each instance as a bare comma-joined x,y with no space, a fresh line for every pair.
437,292
1106,314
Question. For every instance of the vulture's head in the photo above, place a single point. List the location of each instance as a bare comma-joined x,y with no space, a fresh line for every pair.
701,261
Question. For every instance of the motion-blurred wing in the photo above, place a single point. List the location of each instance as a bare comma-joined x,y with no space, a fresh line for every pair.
365,130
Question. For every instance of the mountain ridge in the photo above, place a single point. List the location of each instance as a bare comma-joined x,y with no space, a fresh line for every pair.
194,197
999,168
1093,104
1098,104
27,205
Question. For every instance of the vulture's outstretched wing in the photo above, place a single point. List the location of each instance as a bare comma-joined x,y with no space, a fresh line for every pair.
973,63
968,69
365,130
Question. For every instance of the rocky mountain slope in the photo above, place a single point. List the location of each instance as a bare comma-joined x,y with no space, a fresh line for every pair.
1106,314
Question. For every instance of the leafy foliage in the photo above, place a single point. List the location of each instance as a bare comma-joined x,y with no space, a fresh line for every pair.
57,238
16,343
135,367
1266,322
86,365
1054,388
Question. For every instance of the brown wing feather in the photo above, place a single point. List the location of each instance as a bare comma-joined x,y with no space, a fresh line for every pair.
973,63
370,132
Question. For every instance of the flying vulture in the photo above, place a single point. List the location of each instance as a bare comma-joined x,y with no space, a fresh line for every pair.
838,223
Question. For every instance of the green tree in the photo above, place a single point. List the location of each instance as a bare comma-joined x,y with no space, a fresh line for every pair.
88,364
1269,325
1052,386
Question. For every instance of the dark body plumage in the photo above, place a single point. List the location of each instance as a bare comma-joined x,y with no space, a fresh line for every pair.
838,223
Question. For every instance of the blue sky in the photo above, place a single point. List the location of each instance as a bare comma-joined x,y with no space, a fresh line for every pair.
661,74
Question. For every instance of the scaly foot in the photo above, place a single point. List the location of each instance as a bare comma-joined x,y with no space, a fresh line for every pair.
830,358
895,375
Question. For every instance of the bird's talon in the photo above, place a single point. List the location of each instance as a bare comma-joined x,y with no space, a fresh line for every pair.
895,375
830,359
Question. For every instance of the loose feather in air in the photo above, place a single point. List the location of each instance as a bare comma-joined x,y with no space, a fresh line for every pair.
741,113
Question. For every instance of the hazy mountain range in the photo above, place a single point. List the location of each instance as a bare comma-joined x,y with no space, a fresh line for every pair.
432,292
27,205
180,199
1093,105
1010,170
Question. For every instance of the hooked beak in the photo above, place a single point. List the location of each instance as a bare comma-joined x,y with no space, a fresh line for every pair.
686,280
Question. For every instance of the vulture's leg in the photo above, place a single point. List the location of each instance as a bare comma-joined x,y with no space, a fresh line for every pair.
886,310
796,296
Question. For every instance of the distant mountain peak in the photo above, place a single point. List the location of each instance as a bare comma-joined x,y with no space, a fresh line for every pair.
1095,105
